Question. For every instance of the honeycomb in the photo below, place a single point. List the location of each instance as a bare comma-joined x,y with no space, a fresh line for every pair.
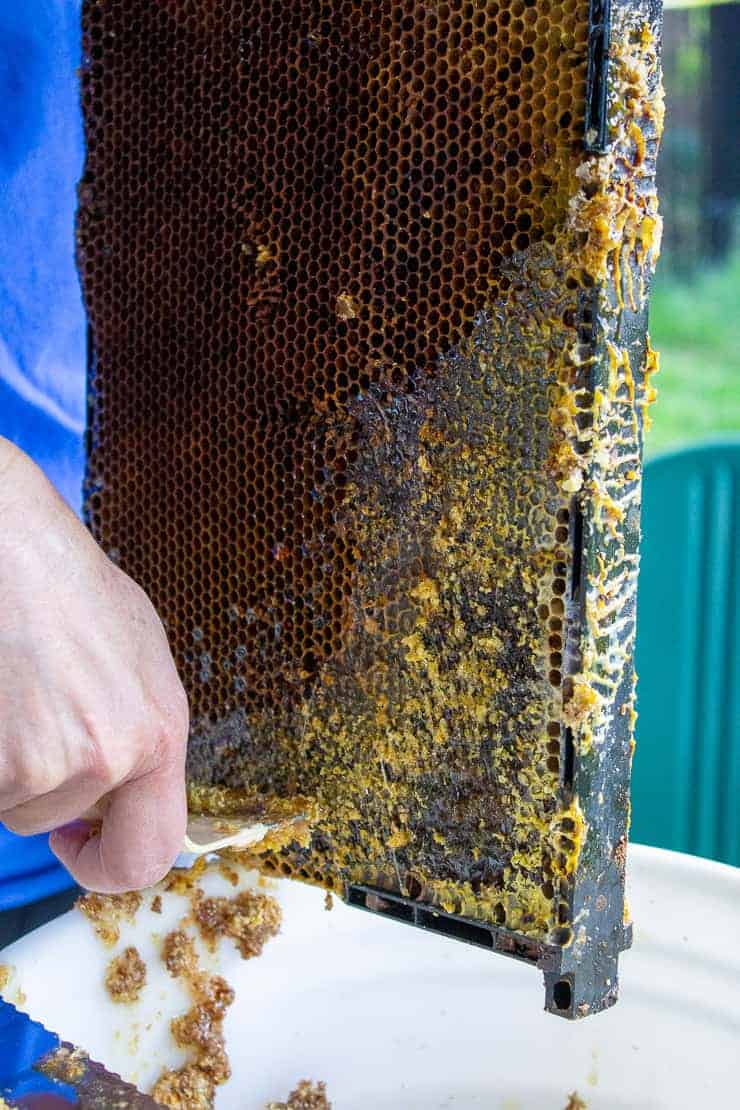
342,264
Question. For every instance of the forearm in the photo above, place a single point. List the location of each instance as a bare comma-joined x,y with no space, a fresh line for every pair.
23,486
39,534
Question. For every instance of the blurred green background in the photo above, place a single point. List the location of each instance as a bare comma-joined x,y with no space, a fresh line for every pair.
695,325
694,311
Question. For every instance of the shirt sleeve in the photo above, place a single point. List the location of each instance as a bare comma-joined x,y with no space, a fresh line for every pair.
42,323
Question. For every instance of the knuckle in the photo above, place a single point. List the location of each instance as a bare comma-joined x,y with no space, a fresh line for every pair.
170,730
34,775
10,790
105,773
103,758
32,761
105,770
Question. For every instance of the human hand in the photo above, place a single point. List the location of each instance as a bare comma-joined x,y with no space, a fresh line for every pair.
91,706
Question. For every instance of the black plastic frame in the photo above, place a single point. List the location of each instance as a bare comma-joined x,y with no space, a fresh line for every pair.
433,920
599,31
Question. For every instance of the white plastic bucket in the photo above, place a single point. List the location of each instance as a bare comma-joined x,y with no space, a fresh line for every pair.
393,1018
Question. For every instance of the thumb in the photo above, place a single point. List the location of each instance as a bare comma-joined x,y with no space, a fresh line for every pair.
141,834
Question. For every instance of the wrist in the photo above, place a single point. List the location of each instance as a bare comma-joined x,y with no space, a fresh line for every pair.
14,466
31,514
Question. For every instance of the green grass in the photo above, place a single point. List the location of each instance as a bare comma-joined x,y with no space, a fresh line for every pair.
696,327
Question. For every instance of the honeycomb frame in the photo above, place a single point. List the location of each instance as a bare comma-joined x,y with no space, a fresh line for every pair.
367,289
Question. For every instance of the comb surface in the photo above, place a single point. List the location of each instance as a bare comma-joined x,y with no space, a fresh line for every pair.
367,291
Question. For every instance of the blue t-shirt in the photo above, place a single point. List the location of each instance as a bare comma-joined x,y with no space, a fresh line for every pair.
42,323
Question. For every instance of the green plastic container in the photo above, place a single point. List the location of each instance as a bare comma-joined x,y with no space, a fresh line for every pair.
686,775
